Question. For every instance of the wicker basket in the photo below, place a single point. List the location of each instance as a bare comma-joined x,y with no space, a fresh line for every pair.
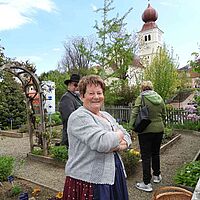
171,193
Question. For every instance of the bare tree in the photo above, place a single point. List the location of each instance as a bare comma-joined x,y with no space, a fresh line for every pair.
77,56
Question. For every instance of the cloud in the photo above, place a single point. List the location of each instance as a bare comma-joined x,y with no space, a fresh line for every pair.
94,8
15,13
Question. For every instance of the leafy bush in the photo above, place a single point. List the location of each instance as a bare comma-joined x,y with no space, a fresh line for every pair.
168,132
56,119
13,106
189,125
130,159
59,153
23,128
126,126
37,151
168,135
197,99
188,174
6,167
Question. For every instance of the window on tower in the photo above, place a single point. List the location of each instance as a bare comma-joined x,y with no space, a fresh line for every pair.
149,37
145,38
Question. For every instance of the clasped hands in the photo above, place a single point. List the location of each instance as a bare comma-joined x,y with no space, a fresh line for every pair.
122,143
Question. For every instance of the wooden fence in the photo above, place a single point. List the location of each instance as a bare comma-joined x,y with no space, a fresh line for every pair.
176,116
123,113
120,113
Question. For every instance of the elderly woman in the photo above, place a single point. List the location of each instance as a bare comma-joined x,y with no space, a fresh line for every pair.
94,168
150,139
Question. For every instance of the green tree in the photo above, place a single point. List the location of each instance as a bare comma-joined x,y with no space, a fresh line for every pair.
12,102
114,47
117,96
114,54
184,81
12,99
2,57
196,62
163,73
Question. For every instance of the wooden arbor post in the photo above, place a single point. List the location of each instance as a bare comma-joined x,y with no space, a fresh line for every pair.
30,82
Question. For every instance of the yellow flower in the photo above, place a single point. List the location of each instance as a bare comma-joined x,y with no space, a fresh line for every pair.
131,150
36,191
134,152
59,195
137,153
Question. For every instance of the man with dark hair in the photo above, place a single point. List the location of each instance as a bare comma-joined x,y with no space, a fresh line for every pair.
69,102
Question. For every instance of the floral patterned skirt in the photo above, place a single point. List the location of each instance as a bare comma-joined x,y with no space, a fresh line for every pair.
75,189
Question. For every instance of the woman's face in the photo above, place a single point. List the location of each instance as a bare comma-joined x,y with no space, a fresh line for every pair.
93,98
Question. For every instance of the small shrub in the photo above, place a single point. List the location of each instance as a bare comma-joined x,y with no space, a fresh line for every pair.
23,129
54,134
127,126
189,125
37,151
59,153
168,135
6,167
130,159
168,132
188,174
56,119
16,189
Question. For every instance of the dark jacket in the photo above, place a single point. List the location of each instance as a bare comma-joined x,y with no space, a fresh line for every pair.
68,104
157,111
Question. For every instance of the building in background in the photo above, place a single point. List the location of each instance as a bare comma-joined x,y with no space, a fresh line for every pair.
150,36
150,39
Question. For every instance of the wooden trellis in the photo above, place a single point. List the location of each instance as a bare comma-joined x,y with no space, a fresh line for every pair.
26,74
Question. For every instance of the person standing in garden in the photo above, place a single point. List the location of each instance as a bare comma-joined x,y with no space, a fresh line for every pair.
150,139
69,102
94,167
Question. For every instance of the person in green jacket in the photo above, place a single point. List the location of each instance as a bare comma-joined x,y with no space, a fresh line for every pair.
150,139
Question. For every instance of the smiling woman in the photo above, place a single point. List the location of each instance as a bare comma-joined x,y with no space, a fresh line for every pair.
95,139
92,95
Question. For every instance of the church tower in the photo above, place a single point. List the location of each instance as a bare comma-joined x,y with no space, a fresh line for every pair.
150,36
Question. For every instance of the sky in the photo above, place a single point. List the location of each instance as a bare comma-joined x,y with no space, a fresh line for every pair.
36,30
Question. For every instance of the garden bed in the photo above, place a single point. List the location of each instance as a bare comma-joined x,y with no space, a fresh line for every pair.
21,186
13,134
46,159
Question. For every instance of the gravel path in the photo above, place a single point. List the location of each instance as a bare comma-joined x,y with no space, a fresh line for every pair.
182,151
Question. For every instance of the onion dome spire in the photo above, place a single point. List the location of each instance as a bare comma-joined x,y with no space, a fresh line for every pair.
149,16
